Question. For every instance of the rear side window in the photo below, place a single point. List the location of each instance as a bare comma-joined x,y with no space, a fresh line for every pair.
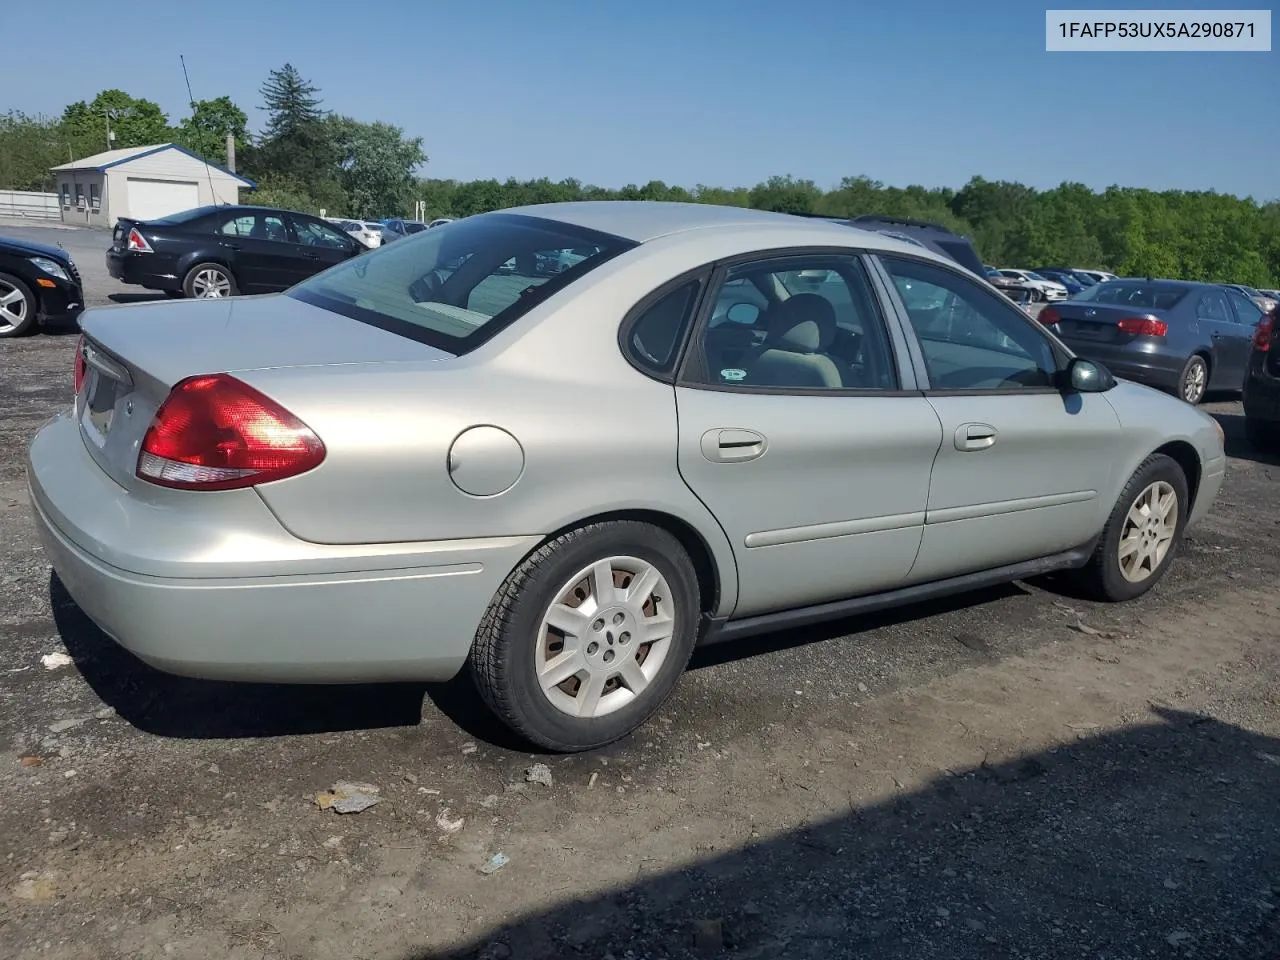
653,338
457,285
1247,312
1152,296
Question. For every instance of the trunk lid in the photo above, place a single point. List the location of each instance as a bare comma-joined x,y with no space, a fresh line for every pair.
135,354
1084,321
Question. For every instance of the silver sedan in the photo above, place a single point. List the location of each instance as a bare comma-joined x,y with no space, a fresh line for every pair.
712,422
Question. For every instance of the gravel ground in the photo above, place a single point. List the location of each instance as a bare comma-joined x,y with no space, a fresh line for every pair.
1015,773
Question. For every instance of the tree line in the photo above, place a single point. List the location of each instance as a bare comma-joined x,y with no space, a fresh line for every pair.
307,158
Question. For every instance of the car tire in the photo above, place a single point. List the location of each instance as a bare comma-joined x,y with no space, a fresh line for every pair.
518,653
1036,294
1261,434
17,307
1139,524
1193,381
204,278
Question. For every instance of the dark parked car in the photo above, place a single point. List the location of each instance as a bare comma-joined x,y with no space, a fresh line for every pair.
395,228
224,250
1262,383
1081,277
1176,335
37,282
1067,278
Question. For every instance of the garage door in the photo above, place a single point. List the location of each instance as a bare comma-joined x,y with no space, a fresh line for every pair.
150,199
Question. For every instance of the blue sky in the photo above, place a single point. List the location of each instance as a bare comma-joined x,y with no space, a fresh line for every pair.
723,92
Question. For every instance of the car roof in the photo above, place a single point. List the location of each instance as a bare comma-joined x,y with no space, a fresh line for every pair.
645,220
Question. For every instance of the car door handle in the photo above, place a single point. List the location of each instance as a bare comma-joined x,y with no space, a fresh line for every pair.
971,437
230,246
728,445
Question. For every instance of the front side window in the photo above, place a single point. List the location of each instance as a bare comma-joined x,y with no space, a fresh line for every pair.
802,324
456,285
971,339
313,233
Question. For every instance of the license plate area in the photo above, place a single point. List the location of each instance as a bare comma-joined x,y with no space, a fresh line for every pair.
101,394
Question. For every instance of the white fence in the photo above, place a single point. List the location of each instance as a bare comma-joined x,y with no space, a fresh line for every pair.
27,205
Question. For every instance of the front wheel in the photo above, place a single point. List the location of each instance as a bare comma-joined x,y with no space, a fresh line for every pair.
1037,295
589,635
1142,534
17,307
209,281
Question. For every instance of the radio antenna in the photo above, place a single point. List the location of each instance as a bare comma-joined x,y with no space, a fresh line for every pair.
191,102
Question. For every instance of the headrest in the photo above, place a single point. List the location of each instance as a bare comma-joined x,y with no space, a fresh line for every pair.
803,323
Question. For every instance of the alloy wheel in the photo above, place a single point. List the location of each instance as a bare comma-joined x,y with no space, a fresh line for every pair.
210,283
1193,383
13,308
605,637
1148,532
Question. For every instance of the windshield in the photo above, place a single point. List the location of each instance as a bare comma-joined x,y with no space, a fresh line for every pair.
1152,296
457,285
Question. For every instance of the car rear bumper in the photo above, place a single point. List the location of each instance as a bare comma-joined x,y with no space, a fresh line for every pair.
1149,368
212,586
150,270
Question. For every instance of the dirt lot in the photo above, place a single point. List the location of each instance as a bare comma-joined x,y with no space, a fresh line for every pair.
1013,774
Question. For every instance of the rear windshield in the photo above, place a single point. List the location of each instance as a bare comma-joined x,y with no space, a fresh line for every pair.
457,285
186,216
1153,296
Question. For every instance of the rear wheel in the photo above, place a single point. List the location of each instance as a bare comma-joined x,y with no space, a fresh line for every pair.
589,635
1142,534
209,281
1194,379
17,307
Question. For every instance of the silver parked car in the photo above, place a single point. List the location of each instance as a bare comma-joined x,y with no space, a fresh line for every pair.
714,422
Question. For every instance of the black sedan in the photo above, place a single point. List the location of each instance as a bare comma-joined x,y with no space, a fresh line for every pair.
37,282
1184,337
1262,384
224,250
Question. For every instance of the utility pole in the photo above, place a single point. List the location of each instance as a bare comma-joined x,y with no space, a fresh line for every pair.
231,152
110,136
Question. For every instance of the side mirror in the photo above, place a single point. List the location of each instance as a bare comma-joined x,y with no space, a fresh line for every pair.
1088,376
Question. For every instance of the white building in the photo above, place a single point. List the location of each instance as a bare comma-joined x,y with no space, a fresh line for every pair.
142,183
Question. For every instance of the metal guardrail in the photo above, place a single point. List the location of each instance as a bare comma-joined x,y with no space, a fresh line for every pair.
29,205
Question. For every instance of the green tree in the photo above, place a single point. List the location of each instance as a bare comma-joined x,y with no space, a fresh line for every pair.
205,131
135,123
376,163
290,102
29,146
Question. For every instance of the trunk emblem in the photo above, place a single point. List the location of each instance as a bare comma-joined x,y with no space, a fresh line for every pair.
1091,312
128,408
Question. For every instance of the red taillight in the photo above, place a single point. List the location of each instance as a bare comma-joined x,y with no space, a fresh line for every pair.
137,242
1264,332
80,366
218,433
1049,316
1143,326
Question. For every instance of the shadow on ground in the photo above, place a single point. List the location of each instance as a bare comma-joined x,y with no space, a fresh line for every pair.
180,707
1238,445
1161,840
